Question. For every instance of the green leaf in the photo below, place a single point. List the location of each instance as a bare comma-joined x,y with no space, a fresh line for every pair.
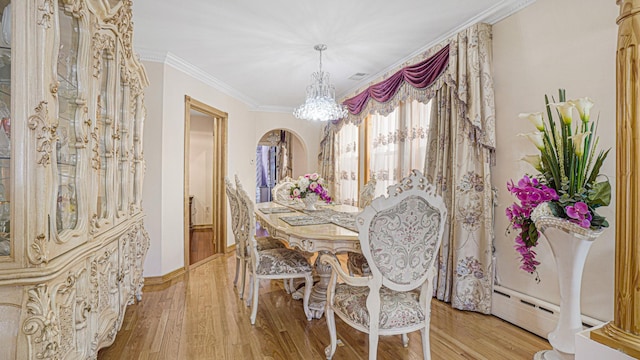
596,166
533,235
600,194
557,209
598,221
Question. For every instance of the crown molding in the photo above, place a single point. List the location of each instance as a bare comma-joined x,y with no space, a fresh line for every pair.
490,16
505,9
178,63
273,108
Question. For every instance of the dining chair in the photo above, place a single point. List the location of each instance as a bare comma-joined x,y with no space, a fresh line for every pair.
356,263
400,235
241,253
280,263
281,191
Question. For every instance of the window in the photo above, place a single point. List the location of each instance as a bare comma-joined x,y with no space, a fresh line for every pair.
347,155
397,143
393,145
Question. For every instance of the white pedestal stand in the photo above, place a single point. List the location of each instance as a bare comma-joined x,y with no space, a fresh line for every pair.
570,245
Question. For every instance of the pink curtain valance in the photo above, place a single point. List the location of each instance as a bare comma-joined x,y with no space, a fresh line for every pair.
419,75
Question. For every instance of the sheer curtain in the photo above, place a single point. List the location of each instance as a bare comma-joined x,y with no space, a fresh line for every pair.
397,143
346,169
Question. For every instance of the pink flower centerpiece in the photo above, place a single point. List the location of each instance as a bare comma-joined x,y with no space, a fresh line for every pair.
310,184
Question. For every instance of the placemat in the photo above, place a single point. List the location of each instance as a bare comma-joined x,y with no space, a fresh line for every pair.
302,220
277,210
343,219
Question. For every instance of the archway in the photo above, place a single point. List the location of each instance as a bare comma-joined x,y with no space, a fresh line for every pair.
280,153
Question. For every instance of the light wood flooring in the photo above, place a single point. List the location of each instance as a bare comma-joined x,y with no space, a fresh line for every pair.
201,245
201,317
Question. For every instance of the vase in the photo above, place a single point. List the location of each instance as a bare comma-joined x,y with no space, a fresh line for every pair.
570,244
310,201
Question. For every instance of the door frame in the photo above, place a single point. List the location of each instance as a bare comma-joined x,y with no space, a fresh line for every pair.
219,213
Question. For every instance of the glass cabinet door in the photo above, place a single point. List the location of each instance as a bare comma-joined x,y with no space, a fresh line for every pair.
138,124
66,150
123,135
5,131
102,123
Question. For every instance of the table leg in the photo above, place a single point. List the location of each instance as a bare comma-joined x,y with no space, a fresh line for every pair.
319,292
318,297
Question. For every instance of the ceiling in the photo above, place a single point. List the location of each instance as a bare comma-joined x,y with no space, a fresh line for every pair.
261,52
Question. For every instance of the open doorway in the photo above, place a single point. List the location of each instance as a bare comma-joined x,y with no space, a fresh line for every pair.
279,154
205,168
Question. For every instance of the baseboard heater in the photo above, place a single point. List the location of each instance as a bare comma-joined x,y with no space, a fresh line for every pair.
534,315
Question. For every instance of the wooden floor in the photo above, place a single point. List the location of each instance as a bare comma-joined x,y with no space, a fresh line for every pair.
201,245
202,317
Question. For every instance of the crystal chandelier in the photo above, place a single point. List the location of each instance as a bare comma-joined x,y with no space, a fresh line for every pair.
320,104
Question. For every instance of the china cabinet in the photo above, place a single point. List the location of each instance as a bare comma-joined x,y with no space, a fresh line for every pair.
72,238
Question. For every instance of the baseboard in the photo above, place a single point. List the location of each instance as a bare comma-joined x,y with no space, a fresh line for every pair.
230,249
534,315
588,349
154,283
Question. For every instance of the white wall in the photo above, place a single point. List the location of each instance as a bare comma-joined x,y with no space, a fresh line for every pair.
549,45
164,154
300,164
201,168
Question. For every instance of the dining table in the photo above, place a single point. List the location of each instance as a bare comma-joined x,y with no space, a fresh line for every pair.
328,230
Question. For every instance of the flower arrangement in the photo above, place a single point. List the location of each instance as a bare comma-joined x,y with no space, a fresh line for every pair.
568,167
310,184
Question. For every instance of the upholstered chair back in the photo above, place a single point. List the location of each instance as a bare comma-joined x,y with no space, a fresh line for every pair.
248,221
233,205
400,234
281,191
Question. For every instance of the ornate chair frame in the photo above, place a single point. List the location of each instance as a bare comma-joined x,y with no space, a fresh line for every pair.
284,263
412,207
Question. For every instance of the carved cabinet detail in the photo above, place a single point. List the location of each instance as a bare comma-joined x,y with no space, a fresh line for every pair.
72,237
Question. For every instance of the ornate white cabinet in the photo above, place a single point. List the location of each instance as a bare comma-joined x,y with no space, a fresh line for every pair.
72,240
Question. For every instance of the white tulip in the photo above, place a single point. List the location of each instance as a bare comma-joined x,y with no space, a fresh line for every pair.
535,138
578,142
583,105
565,109
534,118
534,160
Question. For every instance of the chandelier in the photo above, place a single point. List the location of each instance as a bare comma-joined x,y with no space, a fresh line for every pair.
320,104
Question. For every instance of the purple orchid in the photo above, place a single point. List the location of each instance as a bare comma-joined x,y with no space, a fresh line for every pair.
579,213
530,192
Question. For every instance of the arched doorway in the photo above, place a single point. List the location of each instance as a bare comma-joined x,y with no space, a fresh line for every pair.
280,153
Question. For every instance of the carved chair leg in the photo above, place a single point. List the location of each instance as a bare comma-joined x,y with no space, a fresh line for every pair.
243,275
426,346
330,350
250,296
255,293
373,346
405,340
288,286
235,279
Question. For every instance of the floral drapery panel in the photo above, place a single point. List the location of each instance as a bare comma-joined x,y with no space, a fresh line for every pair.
458,161
459,156
284,156
346,165
397,143
327,156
